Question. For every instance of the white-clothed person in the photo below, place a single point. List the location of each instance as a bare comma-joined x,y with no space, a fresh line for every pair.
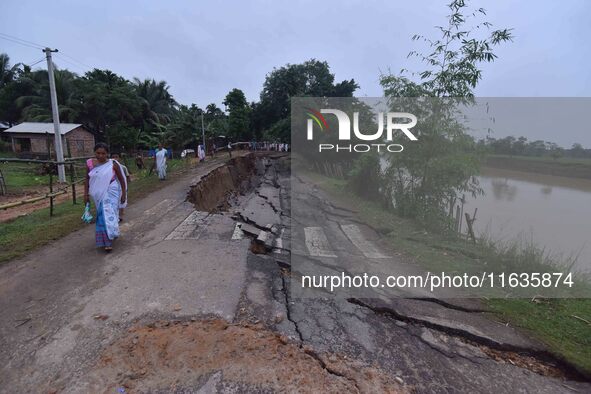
161,162
201,153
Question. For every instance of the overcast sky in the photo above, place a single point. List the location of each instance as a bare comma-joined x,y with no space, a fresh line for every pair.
204,49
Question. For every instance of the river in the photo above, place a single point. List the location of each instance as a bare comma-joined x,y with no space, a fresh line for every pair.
553,211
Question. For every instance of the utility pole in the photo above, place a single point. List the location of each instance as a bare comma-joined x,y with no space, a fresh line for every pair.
59,151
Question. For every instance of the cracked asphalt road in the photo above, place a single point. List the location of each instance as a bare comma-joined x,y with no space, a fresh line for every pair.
432,345
94,323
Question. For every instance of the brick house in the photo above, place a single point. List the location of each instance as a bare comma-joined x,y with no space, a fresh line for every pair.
30,139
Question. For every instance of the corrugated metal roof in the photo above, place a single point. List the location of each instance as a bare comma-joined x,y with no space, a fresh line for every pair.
41,128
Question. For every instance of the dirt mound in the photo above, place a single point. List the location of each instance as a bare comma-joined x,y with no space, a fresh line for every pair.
186,355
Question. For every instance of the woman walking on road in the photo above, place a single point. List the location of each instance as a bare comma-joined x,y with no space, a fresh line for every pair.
105,183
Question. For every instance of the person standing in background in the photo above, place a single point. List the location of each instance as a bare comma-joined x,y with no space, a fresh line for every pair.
127,178
161,162
201,153
139,162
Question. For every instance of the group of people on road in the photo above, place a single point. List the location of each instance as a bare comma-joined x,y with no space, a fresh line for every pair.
107,184
269,146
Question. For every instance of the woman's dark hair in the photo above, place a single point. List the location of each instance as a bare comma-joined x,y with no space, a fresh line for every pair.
101,145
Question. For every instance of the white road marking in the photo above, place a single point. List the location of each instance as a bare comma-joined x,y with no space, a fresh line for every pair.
279,242
162,207
263,235
191,227
366,247
238,234
317,243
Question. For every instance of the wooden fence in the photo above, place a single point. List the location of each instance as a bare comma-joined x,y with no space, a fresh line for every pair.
60,188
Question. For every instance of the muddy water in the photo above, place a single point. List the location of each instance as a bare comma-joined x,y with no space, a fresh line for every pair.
553,211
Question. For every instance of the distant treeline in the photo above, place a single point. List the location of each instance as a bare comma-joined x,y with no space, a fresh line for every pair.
138,114
538,148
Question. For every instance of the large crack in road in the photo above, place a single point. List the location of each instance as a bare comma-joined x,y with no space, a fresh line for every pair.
492,357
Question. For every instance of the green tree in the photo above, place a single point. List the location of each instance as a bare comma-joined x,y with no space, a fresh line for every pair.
215,120
424,180
184,130
36,106
536,148
238,115
7,72
520,145
13,84
311,78
455,58
577,150
109,106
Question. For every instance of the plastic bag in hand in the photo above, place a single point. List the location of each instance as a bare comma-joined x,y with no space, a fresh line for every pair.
87,216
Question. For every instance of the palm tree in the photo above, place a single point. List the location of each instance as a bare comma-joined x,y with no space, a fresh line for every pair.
37,106
158,106
7,73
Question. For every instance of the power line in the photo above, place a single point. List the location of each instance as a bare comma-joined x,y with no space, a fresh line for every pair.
24,41
18,42
77,61
37,62
73,61
73,64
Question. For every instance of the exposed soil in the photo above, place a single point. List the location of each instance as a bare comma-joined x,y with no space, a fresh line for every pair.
160,355
23,210
530,363
214,191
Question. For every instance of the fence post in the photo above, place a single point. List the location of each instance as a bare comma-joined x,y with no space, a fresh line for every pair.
72,179
469,222
2,184
51,191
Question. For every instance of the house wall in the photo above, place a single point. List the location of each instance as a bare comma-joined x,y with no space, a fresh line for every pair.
79,141
39,143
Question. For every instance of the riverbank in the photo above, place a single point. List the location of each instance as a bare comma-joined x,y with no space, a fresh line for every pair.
566,167
552,321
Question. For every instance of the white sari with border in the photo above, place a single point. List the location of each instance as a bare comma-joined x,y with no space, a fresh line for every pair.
106,194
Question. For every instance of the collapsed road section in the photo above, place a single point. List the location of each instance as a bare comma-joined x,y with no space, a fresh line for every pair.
431,342
198,297
248,187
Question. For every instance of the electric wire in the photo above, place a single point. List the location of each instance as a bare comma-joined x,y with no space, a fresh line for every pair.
37,62
21,41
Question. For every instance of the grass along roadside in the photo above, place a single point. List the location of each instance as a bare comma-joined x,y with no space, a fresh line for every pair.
559,323
19,177
26,233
